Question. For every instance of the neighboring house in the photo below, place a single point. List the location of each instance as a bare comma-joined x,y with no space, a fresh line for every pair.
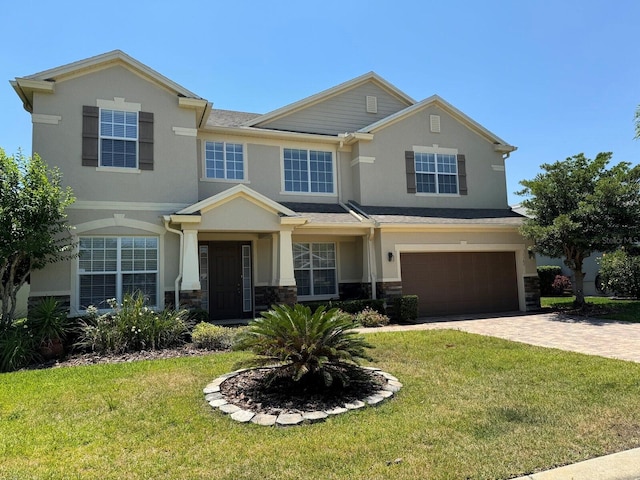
357,191
590,266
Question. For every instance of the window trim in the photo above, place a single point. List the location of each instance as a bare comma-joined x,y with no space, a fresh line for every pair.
437,150
325,296
245,163
118,272
316,148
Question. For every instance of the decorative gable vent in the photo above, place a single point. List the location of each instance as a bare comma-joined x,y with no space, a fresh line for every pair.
372,104
435,123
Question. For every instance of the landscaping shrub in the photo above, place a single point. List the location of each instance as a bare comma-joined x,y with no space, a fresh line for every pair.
350,306
547,274
213,337
560,284
48,319
405,308
620,273
133,326
370,318
18,346
318,347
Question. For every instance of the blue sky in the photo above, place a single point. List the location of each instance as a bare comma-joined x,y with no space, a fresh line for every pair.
554,78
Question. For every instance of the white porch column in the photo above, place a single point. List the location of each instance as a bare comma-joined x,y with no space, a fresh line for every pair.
285,271
190,261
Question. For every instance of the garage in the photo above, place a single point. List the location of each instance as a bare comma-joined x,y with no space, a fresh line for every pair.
460,282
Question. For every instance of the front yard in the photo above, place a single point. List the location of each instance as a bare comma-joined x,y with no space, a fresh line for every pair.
604,307
471,407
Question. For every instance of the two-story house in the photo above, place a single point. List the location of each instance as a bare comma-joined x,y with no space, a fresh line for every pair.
356,191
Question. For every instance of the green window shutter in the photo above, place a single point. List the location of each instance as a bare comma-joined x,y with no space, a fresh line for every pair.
462,174
409,160
145,140
90,126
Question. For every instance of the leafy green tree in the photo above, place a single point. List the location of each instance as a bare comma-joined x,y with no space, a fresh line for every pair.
637,119
33,223
579,206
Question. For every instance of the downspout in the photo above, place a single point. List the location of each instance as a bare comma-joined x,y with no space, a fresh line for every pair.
167,219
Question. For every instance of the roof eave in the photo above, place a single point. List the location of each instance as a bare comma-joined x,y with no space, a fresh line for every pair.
104,60
453,111
263,132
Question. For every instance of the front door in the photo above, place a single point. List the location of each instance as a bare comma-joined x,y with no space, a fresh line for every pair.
230,290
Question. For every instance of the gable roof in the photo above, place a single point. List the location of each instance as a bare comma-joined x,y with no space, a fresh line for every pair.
450,109
45,81
333,91
239,191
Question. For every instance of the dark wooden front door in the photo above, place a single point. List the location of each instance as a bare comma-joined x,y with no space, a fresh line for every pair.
226,281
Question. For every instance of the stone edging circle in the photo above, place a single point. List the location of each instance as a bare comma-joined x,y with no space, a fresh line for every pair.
214,397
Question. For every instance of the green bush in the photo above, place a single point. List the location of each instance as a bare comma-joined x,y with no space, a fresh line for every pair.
18,346
49,320
213,337
370,318
547,274
405,308
350,306
132,327
318,347
620,273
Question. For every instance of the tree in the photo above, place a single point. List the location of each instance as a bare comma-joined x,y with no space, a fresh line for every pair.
578,206
33,223
637,119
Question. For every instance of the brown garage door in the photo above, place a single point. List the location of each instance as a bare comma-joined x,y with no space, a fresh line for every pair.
460,282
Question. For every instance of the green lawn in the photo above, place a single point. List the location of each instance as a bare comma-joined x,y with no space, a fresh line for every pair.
627,310
472,407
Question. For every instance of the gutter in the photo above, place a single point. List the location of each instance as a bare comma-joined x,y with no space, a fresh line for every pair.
167,219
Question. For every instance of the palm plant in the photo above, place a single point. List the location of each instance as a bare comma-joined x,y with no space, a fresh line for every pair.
306,345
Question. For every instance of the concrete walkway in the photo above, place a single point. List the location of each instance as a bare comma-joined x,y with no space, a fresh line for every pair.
607,338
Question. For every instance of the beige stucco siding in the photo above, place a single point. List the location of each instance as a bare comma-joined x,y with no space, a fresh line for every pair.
61,278
460,240
263,260
349,253
345,112
174,174
384,181
264,170
239,215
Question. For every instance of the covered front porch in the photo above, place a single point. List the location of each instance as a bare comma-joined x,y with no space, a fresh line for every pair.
241,252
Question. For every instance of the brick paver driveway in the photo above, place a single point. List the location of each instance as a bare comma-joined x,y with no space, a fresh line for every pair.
606,338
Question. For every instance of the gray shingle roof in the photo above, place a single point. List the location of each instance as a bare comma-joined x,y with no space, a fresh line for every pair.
322,212
433,216
229,118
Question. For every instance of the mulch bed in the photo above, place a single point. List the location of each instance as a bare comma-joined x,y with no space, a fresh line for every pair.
249,391
76,360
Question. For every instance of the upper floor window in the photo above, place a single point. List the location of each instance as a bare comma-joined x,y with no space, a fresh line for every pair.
224,160
118,139
436,173
309,171
117,134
